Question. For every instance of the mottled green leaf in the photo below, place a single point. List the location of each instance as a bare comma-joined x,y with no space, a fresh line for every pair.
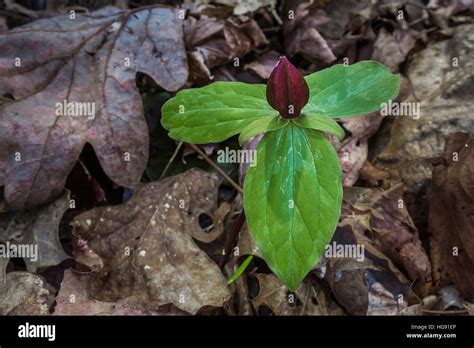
292,200
352,90
215,112
322,123
260,126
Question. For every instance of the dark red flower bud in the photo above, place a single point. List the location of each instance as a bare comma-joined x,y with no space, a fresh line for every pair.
287,90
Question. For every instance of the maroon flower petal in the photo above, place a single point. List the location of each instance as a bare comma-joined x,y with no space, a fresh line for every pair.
287,90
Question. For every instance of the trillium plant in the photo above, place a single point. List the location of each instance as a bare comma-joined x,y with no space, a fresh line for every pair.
293,196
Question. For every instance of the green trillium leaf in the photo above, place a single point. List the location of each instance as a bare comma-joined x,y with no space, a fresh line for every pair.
292,200
322,123
352,90
215,112
262,125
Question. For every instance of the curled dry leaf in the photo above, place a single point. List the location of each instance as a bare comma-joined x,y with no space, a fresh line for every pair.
73,299
73,81
147,248
384,217
36,230
451,218
302,36
24,294
212,42
372,286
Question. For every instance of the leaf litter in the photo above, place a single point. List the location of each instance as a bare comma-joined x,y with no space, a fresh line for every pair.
408,247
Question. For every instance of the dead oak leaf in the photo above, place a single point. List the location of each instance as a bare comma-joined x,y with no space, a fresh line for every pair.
87,66
147,247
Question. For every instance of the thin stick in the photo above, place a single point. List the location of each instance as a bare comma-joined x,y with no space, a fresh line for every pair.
175,153
216,167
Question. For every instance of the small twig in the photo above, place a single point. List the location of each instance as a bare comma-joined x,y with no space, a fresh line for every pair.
232,236
229,173
175,153
216,167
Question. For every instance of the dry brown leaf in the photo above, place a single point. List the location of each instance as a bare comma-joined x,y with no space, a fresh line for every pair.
443,89
302,36
352,156
147,248
373,286
264,64
24,294
73,299
371,173
309,299
38,229
391,49
273,294
246,245
212,42
451,219
92,59
383,216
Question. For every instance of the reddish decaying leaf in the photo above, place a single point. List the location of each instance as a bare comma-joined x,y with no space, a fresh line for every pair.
287,90
90,62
